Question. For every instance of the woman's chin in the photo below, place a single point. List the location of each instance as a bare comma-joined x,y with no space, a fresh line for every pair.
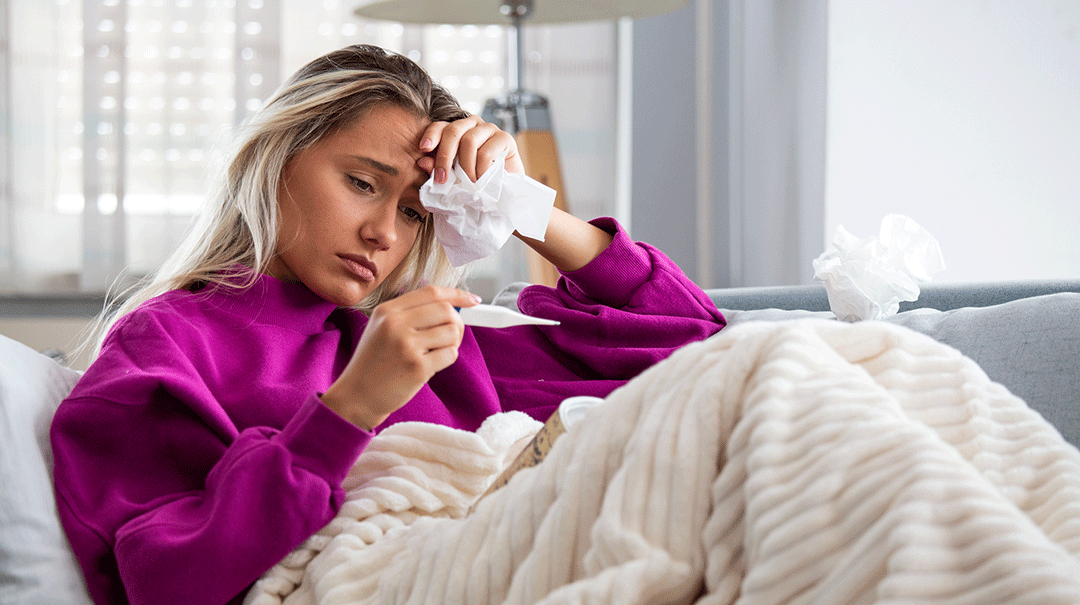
343,295
351,300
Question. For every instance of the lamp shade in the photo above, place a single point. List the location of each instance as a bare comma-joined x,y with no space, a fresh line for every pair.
485,12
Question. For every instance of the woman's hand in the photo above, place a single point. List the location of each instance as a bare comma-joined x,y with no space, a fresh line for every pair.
474,143
570,243
407,340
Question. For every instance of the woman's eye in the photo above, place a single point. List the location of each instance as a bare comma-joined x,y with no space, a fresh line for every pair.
412,214
361,185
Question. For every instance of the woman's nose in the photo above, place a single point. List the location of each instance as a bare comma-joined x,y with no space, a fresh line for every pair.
380,226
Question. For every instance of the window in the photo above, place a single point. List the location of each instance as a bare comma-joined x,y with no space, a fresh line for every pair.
117,114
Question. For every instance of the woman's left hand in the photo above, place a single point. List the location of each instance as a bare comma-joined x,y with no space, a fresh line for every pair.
570,243
474,143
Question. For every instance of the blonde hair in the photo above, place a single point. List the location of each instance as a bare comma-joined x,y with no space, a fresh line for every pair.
240,220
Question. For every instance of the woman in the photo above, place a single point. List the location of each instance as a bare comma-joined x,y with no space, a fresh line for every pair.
310,308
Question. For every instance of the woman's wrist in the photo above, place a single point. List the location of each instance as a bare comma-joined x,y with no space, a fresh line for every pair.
569,243
353,414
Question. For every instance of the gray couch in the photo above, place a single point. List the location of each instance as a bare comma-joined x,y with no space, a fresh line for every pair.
1024,334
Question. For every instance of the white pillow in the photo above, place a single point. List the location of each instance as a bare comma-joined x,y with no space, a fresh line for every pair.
36,563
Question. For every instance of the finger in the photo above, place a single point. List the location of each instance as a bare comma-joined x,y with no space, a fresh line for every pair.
455,296
428,294
450,137
425,308
431,139
429,142
426,163
424,352
440,359
470,153
439,337
430,315
499,146
513,161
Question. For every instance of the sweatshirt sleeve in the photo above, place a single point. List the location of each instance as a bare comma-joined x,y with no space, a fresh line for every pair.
624,311
164,502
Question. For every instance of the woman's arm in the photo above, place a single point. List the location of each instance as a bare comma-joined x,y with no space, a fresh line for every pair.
155,486
570,243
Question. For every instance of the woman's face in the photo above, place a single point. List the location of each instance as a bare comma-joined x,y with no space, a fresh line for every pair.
350,206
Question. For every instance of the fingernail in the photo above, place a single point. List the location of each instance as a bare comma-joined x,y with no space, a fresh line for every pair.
427,145
476,299
440,175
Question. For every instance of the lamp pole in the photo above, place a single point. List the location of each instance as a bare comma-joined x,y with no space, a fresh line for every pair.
519,110
517,11
526,115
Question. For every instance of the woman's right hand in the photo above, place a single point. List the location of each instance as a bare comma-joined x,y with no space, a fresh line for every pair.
407,340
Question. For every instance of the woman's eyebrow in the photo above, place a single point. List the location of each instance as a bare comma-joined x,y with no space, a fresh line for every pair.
377,165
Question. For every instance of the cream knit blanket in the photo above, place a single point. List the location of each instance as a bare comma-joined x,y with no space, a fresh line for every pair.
781,462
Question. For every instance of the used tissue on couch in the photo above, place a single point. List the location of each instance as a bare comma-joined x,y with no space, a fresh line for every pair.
474,220
867,278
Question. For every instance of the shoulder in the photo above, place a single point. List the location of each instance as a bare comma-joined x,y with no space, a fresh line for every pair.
167,315
175,330
157,342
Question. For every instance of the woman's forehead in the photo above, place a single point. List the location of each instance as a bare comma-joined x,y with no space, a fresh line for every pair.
389,132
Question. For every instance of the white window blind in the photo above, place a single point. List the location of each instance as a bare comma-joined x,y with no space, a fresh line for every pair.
116,115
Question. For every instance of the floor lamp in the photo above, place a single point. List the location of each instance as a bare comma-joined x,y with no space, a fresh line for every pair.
521,112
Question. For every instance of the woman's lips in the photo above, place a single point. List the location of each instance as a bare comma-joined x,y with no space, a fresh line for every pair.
360,267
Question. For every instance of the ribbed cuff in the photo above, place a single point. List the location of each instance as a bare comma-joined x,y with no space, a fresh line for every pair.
322,441
617,272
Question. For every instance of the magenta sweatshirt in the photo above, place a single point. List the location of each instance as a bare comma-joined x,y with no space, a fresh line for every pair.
194,453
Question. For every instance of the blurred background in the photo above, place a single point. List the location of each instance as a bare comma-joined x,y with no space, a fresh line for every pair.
118,113
735,135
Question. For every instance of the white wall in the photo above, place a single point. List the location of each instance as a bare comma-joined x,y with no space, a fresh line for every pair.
964,115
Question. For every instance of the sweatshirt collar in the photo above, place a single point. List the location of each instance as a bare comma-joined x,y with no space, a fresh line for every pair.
273,301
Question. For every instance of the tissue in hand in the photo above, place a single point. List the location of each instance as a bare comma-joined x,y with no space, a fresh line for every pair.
867,278
474,220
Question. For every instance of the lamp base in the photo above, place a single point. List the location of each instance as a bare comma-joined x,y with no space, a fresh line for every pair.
518,110
525,115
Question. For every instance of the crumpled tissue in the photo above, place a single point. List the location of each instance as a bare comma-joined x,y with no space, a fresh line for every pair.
867,278
474,220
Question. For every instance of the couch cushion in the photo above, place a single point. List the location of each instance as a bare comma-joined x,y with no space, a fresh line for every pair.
1031,346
